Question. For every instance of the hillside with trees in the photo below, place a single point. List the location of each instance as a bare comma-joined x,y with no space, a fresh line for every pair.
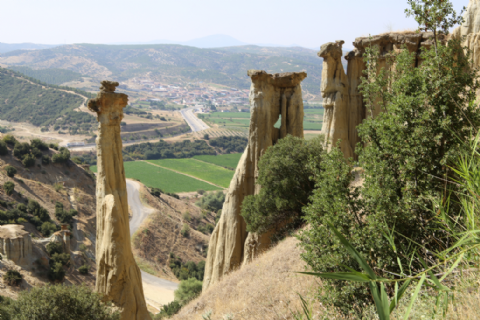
25,99
171,62
50,76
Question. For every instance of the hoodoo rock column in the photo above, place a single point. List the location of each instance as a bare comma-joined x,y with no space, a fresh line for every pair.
118,276
272,96
334,88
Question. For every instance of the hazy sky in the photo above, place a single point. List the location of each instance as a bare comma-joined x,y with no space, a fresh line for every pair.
308,23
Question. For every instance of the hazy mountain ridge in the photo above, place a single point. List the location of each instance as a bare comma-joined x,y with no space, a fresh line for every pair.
172,62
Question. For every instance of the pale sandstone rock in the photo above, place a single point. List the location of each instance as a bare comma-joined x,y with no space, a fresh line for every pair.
118,276
63,237
271,96
15,243
334,88
469,31
343,102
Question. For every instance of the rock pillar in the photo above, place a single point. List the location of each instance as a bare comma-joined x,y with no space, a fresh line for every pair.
118,276
334,89
15,244
272,96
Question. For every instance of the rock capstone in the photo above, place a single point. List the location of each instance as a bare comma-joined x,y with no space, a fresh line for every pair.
272,96
118,276
15,243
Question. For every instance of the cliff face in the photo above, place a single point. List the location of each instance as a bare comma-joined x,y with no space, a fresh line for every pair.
15,243
118,276
470,30
271,97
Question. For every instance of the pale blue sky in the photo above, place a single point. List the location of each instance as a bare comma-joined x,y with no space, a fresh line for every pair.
308,23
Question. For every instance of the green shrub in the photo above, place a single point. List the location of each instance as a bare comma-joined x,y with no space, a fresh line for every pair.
285,174
212,201
48,228
62,258
188,290
56,272
62,215
39,144
54,247
45,159
11,171
60,302
9,139
168,310
22,207
185,230
21,149
84,269
34,208
12,277
37,153
201,192
3,148
61,157
9,187
184,271
28,160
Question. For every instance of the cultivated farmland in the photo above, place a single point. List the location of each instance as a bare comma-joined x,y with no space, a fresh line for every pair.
225,160
202,170
167,180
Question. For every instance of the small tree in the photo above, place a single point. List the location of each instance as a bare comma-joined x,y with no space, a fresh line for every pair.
206,137
12,277
188,290
62,302
11,171
28,160
3,148
9,187
54,247
185,230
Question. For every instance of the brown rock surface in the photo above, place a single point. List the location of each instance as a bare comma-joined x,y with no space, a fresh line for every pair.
118,276
15,243
470,30
271,96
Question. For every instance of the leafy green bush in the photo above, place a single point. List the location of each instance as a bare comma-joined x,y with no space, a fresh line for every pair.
62,215
184,271
84,269
3,148
36,152
28,160
11,171
48,228
168,310
9,187
39,144
188,290
285,174
56,272
61,157
45,159
212,201
9,139
54,247
185,230
59,302
12,277
201,192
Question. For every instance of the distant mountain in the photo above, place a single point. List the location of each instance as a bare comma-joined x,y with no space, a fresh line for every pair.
7,47
172,63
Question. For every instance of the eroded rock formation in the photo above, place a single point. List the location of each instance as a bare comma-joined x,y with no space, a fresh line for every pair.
343,102
272,96
15,243
469,31
118,276
63,237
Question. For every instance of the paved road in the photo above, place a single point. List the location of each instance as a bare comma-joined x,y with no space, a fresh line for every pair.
157,291
192,120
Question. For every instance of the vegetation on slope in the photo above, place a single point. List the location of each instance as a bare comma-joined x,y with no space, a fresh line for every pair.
50,76
25,99
167,62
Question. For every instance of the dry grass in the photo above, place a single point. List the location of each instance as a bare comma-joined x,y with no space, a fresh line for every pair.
265,289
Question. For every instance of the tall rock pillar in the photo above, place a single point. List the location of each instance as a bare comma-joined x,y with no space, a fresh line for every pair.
118,276
272,96
334,89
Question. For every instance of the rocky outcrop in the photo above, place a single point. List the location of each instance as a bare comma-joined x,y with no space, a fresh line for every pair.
343,102
272,96
63,237
15,243
118,276
334,89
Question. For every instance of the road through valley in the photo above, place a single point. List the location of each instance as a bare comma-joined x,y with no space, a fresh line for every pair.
157,291
192,120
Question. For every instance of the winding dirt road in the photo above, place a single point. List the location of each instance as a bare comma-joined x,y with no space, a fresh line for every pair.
157,291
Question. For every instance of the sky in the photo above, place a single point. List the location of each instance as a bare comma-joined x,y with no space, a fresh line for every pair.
308,23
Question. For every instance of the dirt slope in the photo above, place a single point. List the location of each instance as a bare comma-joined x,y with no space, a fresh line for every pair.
160,234
74,188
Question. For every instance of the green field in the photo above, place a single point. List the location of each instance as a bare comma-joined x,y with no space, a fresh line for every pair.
202,170
313,119
225,160
167,180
